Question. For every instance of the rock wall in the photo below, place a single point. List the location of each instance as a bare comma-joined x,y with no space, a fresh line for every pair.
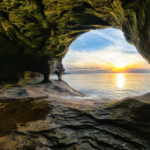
32,33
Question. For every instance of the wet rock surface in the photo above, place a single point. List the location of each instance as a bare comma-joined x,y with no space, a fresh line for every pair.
59,122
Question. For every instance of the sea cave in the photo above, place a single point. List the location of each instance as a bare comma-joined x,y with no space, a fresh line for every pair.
50,115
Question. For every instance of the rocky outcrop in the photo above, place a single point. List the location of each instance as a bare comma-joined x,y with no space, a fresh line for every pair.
37,91
55,121
33,33
35,36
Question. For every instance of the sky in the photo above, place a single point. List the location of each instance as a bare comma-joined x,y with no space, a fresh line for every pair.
104,51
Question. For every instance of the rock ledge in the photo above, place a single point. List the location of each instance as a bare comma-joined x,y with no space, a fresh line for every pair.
44,117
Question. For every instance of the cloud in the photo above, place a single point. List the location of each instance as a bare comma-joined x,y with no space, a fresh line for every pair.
99,39
103,58
116,39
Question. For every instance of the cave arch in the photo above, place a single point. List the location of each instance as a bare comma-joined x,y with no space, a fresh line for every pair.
32,34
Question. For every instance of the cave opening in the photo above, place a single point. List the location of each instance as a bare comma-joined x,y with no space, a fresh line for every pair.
102,63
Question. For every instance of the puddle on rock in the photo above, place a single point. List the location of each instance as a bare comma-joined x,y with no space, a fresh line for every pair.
21,111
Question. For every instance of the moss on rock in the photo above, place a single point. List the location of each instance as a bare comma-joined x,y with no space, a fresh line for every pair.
41,30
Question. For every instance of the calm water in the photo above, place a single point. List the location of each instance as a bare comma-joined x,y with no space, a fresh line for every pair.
113,86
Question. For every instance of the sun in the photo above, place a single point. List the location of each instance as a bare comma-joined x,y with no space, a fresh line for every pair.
120,65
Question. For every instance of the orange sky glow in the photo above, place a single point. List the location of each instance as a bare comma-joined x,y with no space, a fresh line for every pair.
104,51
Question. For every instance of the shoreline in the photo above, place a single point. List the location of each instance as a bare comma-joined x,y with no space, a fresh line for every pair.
38,120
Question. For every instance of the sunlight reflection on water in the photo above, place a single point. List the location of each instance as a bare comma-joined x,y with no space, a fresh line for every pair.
120,80
110,85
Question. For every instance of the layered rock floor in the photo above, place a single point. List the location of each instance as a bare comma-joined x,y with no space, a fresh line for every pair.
56,117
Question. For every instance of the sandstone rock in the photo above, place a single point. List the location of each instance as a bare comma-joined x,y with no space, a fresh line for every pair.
35,36
33,33
38,91
61,123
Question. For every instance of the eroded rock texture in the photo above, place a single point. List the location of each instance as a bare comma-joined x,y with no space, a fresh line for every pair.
34,32
32,120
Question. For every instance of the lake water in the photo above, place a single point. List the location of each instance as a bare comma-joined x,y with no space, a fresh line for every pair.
112,86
